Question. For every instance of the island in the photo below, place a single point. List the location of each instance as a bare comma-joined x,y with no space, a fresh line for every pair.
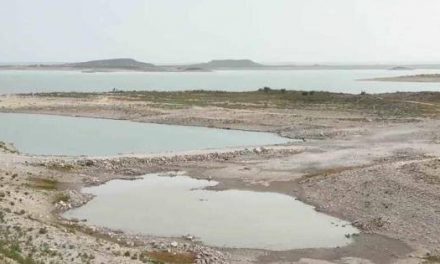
429,78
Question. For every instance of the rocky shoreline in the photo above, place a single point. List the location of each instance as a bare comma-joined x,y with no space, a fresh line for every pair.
381,174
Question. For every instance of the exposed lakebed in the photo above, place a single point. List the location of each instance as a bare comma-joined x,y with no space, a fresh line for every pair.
177,206
60,135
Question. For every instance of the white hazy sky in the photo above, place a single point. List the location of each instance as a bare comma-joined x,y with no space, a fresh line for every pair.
163,31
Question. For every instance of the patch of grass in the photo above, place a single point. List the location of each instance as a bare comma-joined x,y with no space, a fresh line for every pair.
8,148
12,251
61,197
169,257
63,94
432,260
60,167
44,184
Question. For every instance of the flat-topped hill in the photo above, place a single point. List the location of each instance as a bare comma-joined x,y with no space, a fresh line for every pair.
233,63
401,68
120,63
215,64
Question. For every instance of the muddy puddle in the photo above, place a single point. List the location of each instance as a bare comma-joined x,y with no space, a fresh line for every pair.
175,206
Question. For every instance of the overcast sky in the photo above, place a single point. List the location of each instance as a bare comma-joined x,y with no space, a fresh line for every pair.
162,31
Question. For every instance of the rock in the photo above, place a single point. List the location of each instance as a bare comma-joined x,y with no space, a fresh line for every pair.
174,244
189,237
258,150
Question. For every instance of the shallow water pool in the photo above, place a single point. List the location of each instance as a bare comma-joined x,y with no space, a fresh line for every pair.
60,135
180,205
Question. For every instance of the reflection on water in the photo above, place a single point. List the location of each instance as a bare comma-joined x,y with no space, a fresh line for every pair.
177,206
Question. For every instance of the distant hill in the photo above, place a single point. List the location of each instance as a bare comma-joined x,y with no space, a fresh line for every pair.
215,64
233,63
400,68
128,64
123,63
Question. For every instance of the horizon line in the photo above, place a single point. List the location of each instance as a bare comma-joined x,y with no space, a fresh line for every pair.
267,63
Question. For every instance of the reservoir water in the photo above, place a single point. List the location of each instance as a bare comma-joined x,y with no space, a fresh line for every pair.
177,206
346,81
58,135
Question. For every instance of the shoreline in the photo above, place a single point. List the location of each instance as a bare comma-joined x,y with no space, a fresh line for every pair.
360,240
420,78
342,157
72,115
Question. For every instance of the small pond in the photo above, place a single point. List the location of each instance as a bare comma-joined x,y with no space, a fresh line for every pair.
60,135
180,205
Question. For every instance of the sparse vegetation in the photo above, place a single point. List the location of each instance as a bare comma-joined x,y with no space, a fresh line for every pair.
45,184
393,104
60,167
45,179
432,260
266,89
169,257
8,148
12,250
61,197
